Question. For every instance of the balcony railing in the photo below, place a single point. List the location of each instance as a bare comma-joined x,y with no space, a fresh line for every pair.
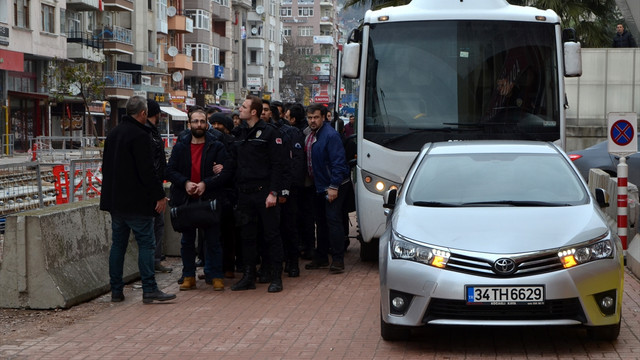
117,33
85,38
115,79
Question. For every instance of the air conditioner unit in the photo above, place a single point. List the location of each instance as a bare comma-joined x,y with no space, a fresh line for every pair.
145,80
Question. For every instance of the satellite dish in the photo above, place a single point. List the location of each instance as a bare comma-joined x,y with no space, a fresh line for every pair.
171,11
219,92
173,51
254,31
281,64
259,9
176,76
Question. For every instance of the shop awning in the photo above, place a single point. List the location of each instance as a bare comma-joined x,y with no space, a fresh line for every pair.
175,113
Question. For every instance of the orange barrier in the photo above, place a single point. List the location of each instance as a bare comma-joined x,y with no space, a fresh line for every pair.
61,175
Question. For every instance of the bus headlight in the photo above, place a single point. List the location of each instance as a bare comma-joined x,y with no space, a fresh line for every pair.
377,184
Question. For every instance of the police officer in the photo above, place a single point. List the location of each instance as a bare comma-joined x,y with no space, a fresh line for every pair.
258,155
295,171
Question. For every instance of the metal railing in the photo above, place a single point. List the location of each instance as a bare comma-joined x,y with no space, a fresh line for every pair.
24,186
64,148
115,79
85,38
86,177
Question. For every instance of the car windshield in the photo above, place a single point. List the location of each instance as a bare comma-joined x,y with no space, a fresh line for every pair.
495,179
460,79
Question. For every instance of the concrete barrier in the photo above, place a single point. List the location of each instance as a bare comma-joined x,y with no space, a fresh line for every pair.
58,256
600,179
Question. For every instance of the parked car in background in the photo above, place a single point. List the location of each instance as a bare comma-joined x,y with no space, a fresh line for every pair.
498,233
598,157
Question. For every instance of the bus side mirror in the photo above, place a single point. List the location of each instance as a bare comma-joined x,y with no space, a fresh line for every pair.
572,54
350,60
389,199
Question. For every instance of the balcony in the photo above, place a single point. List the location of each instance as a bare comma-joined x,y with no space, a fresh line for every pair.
117,40
178,62
117,5
221,42
221,12
255,70
83,5
162,26
181,24
117,85
200,70
242,3
326,3
255,43
326,21
253,16
84,47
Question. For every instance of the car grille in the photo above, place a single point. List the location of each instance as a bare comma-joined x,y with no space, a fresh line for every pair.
459,310
526,265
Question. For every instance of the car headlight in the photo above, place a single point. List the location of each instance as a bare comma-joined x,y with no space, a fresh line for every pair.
584,254
407,250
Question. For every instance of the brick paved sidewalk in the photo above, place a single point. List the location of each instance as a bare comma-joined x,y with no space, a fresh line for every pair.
317,316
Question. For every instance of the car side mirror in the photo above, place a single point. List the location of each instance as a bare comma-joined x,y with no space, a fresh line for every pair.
602,197
389,198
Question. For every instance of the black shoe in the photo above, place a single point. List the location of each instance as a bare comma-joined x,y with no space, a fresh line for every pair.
157,295
181,280
315,264
337,267
117,296
248,281
294,269
276,281
264,276
162,269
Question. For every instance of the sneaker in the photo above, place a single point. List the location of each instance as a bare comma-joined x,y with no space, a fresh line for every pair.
117,296
218,284
162,269
337,267
315,264
157,295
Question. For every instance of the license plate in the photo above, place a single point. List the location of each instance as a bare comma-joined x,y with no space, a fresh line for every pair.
505,295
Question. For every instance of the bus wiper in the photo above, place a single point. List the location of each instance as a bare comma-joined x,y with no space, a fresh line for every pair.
514,203
434,204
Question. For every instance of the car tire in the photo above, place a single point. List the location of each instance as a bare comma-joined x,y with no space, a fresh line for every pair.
391,332
604,333
369,250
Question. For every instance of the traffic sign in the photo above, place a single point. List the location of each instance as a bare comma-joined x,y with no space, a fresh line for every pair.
622,134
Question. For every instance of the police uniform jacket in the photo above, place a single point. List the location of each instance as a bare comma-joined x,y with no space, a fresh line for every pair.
258,158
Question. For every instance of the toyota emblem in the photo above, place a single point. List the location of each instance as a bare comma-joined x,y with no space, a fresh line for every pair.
504,266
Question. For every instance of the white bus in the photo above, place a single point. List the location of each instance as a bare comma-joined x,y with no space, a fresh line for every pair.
438,70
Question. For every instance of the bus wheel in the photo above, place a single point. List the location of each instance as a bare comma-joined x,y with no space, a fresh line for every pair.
369,250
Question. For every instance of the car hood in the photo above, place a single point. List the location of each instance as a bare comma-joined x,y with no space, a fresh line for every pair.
502,230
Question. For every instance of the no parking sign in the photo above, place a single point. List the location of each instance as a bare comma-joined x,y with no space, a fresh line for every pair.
622,135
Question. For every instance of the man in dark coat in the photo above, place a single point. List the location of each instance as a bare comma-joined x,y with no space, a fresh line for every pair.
623,38
133,195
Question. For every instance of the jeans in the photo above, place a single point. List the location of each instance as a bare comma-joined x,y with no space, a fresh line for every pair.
212,252
158,231
142,227
330,226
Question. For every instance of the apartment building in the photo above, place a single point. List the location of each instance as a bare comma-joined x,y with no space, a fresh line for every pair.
310,26
263,31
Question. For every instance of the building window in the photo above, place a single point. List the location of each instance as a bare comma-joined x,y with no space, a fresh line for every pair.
255,57
286,31
200,53
21,13
215,59
305,31
63,21
305,1
201,19
48,18
4,11
274,6
285,11
161,12
305,11
304,51
286,2
73,23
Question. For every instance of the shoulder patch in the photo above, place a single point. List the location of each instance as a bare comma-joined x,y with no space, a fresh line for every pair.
279,141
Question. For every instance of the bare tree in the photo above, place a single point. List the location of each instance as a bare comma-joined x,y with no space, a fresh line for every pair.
298,65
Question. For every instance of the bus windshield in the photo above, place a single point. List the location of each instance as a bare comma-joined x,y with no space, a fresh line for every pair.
466,80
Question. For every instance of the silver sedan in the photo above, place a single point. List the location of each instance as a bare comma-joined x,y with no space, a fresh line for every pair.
496,233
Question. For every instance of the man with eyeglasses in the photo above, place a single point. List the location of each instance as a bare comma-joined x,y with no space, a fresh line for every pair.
258,160
133,195
191,172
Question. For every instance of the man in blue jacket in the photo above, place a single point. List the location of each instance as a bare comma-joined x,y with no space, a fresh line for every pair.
133,195
327,165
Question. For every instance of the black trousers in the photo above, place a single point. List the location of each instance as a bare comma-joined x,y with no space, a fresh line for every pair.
251,214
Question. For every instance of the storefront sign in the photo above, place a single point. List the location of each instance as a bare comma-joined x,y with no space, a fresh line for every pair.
11,61
4,35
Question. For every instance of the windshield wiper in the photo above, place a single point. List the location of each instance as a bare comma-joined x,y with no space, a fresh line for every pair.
514,203
434,204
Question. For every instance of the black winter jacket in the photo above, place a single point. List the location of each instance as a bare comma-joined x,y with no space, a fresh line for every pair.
179,168
130,185
624,40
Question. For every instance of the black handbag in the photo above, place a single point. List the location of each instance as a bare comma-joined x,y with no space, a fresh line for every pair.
195,214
